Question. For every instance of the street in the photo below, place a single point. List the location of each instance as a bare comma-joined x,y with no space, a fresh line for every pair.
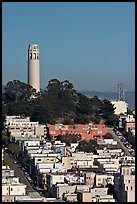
18,172
110,130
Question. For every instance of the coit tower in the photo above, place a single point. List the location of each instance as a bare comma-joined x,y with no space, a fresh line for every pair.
34,66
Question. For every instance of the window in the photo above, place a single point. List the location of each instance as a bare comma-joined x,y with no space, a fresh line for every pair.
131,188
30,55
34,55
128,181
127,188
11,189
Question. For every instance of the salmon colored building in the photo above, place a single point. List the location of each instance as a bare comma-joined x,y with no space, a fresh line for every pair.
87,131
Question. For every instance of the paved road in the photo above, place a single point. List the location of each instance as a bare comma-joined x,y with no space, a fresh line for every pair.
18,172
110,130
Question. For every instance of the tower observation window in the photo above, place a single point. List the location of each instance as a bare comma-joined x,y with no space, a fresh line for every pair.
30,55
34,55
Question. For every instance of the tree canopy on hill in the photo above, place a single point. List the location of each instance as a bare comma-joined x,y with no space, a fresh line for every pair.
17,91
59,102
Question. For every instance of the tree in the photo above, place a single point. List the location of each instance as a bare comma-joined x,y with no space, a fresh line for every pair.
14,148
68,98
19,108
112,120
53,91
83,109
18,91
69,138
107,108
67,121
108,136
96,104
129,111
59,102
84,105
61,97
87,146
5,140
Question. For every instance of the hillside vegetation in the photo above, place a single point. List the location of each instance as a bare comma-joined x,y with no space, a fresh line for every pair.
59,102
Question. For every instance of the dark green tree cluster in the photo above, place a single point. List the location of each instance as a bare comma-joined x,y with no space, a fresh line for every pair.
5,139
58,102
87,145
17,91
69,138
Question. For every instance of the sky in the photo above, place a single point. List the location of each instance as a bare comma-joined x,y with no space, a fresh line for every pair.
92,45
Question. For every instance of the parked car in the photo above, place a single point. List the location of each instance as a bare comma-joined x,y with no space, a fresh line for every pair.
29,179
23,169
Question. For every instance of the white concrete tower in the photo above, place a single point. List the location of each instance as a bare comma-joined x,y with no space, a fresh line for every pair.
34,67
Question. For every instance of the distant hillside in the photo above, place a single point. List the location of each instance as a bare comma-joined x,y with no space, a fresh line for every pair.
129,96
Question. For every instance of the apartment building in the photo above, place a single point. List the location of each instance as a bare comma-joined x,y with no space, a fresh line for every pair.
26,130
19,126
10,119
88,131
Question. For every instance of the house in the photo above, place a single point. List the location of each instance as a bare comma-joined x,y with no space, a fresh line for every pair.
70,197
13,188
103,179
129,123
59,147
59,189
105,198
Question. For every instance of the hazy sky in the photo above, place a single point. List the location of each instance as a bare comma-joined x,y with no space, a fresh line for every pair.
90,44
